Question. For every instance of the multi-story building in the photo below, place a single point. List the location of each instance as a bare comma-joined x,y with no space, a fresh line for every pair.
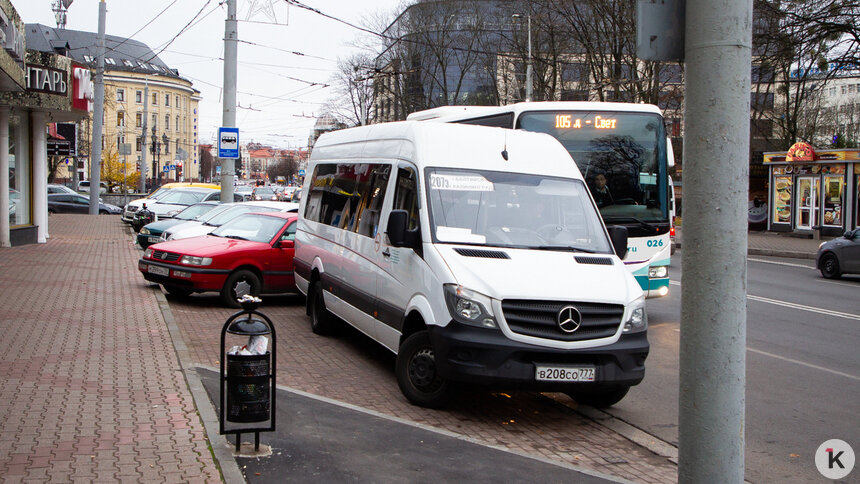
147,103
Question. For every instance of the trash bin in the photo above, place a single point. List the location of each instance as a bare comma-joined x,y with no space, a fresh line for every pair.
247,389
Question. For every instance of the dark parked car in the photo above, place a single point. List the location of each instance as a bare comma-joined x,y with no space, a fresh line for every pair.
840,255
151,233
67,203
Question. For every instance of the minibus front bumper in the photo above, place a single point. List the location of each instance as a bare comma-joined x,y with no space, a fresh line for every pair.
487,357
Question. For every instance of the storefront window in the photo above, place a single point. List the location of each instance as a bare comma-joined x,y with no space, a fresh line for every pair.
833,187
782,199
857,190
19,185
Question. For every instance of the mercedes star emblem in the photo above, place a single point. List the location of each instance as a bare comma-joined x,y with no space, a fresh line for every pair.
569,319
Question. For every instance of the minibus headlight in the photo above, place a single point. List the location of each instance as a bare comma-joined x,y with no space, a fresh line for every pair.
469,307
658,272
638,320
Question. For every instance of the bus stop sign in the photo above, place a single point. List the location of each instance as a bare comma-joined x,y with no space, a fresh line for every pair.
228,142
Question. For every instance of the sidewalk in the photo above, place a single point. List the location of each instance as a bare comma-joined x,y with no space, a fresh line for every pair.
92,387
774,244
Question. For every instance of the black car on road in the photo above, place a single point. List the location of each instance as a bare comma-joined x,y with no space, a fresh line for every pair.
74,203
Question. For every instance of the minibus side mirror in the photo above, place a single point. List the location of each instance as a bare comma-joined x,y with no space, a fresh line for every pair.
618,236
397,223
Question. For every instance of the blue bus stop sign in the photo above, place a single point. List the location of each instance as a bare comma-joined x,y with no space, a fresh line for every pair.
228,142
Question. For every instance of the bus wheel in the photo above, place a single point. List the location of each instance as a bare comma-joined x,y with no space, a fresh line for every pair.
417,373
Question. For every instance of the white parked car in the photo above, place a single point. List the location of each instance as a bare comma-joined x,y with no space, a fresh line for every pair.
84,187
194,228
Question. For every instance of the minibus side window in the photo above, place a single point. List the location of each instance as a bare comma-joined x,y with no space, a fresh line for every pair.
372,194
406,195
348,196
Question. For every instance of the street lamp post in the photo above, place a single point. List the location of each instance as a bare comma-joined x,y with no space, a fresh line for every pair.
529,71
164,142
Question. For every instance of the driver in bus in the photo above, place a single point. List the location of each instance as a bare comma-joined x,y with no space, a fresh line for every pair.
601,192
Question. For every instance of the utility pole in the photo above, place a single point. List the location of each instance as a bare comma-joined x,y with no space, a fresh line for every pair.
529,71
231,46
143,139
98,116
718,38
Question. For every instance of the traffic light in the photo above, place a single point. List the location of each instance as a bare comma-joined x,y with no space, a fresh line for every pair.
138,166
179,170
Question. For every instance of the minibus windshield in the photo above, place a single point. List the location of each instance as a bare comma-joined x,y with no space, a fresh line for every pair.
513,210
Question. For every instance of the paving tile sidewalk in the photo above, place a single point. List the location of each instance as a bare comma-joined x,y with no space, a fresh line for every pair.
92,388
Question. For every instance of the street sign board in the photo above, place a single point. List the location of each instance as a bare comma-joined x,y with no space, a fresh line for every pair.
59,147
228,142
125,148
166,168
301,172
218,170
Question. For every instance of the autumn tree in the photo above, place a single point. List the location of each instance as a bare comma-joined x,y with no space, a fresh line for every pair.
116,172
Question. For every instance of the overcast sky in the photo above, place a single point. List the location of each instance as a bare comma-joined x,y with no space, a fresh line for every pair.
265,70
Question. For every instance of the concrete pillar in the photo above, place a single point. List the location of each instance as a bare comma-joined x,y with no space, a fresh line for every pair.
4,177
40,176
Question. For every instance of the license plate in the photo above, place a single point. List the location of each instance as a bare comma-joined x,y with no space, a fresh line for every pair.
154,239
564,373
159,271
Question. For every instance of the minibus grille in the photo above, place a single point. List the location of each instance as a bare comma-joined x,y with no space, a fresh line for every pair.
165,256
540,319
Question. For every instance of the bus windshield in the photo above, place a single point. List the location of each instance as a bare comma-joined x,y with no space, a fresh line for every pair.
621,155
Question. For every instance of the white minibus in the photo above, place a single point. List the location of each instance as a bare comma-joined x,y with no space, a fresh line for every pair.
477,255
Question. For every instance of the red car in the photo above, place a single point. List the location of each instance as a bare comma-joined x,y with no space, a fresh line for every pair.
251,254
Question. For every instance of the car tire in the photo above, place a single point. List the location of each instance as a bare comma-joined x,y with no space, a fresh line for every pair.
234,282
51,211
104,212
600,398
417,373
177,291
322,321
829,266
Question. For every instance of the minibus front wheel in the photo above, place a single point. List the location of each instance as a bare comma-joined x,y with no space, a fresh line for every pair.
417,373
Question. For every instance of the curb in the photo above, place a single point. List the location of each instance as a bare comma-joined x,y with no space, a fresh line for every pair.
773,253
218,443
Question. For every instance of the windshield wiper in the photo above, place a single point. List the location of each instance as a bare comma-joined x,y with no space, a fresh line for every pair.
631,219
237,237
565,248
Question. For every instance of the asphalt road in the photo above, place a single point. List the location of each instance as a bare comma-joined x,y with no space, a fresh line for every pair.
803,368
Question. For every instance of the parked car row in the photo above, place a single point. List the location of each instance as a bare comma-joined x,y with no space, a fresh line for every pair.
77,203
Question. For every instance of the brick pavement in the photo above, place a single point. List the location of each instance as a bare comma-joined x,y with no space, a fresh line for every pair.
92,388
352,369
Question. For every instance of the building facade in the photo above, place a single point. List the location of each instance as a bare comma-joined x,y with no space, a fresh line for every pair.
148,106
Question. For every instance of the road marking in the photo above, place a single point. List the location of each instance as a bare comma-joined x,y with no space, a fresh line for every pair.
837,283
789,264
811,309
798,362
803,308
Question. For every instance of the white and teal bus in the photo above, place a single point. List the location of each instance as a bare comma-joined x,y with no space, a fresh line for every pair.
624,155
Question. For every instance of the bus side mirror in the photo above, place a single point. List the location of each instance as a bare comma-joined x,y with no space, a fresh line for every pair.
397,223
618,236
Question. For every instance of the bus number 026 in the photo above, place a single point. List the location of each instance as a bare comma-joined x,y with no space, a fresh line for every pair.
655,243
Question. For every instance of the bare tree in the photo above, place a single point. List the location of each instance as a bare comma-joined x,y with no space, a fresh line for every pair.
806,44
353,81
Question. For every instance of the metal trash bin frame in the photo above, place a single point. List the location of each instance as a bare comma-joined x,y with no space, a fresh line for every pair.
251,362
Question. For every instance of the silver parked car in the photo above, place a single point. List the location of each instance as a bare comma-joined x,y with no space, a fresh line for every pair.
840,255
